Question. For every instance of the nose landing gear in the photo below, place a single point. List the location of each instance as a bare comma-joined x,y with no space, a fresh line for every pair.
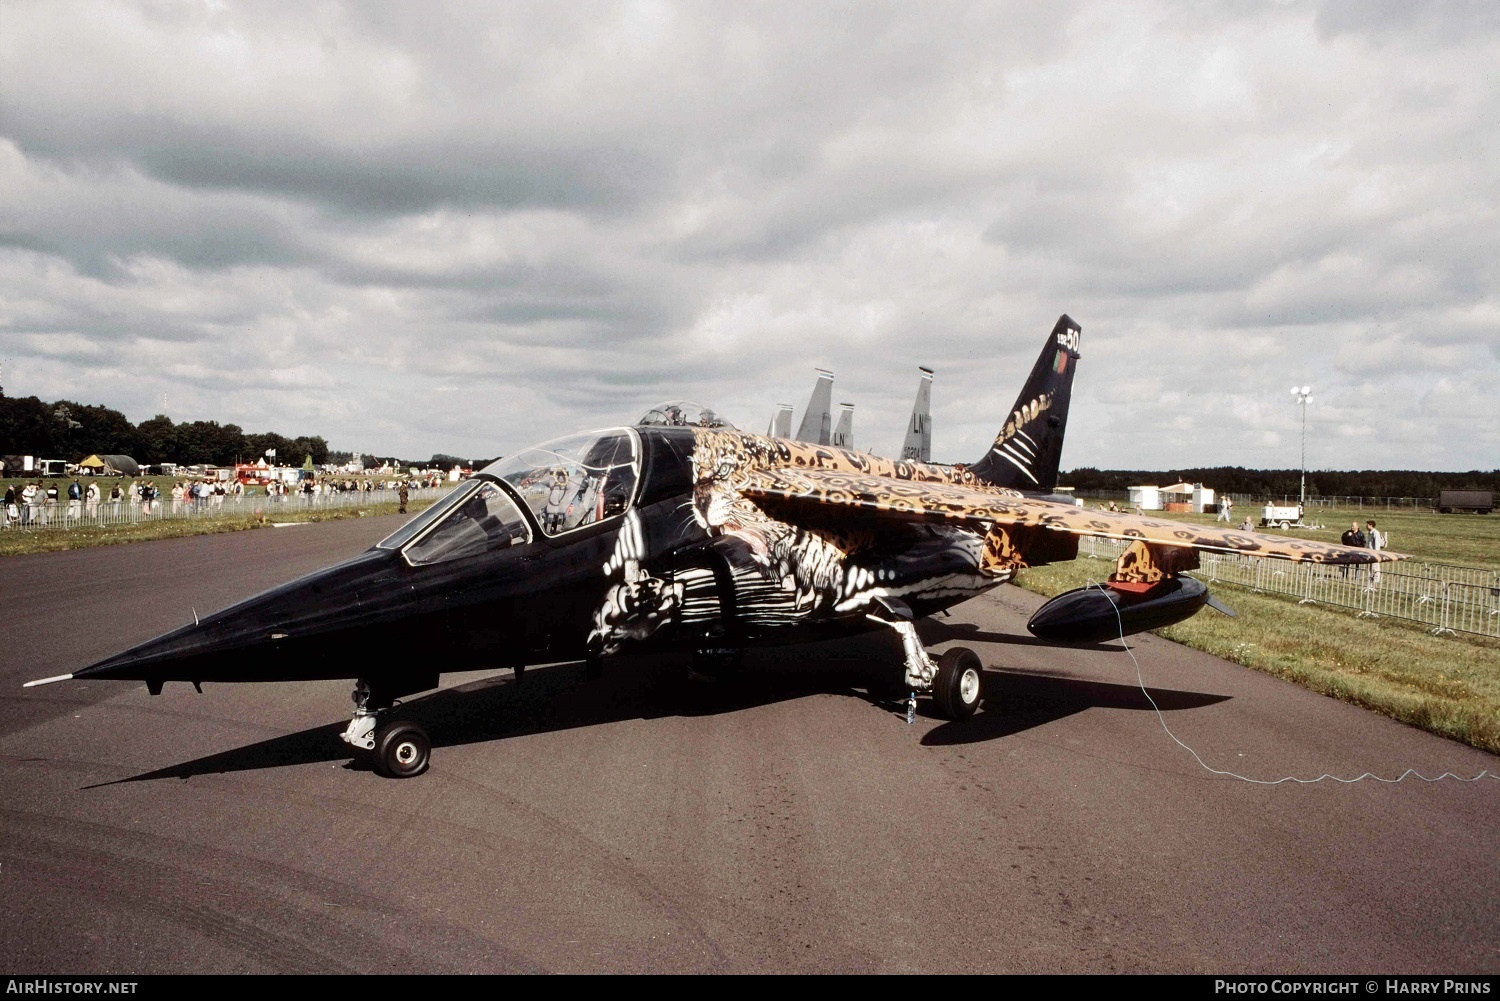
398,749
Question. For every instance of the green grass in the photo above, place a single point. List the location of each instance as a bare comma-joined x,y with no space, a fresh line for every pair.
50,540
1446,685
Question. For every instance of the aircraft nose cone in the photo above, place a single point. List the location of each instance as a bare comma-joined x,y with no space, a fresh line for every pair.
262,637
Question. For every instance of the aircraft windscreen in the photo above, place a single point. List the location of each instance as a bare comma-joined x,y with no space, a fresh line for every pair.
486,520
574,481
424,518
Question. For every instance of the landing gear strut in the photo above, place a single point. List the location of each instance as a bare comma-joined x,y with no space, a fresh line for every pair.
954,681
399,749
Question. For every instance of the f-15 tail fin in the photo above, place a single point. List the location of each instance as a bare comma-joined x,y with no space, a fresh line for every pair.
781,422
1026,453
817,421
918,443
843,435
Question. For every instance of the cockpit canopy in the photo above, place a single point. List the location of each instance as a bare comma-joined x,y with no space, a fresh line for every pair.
574,481
567,483
680,414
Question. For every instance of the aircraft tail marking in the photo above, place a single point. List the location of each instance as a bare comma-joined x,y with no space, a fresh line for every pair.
843,435
918,444
1028,449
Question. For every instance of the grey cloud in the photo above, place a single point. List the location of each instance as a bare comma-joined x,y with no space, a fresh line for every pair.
1437,22
454,229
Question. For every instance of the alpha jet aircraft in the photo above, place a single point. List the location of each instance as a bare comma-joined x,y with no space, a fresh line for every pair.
683,532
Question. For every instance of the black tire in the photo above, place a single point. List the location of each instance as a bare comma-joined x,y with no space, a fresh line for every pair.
402,750
957,689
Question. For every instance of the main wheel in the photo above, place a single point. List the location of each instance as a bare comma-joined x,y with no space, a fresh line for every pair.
956,688
402,750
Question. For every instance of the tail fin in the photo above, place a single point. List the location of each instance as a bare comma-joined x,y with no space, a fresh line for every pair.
781,422
918,444
817,422
1027,451
843,435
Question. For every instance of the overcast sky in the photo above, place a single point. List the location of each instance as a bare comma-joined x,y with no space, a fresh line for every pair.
417,227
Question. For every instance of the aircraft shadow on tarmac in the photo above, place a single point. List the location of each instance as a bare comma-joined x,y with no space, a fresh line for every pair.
934,631
555,698
1014,702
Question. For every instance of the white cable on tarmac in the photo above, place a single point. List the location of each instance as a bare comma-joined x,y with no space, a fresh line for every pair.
1140,680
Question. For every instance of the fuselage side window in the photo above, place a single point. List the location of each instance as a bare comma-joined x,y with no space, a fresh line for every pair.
486,521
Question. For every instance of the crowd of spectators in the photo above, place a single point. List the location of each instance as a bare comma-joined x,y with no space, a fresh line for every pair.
37,502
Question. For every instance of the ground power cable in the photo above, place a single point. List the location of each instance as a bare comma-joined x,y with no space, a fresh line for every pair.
1141,681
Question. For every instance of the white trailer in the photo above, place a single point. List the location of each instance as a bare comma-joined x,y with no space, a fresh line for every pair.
1272,516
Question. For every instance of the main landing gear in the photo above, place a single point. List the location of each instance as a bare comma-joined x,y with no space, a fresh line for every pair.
399,749
954,681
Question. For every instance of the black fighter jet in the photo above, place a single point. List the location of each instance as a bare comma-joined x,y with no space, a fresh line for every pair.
681,532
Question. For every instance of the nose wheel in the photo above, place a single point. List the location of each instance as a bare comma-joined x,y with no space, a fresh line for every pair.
398,749
402,750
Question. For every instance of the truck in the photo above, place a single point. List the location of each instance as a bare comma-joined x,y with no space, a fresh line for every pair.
1450,501
18,465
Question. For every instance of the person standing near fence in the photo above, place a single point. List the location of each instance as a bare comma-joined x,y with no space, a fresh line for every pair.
402,495
91,501
75,499
29,502
1353,538
1375,541
12,506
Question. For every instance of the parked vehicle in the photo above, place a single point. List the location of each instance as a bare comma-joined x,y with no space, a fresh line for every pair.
1482,501
1281,517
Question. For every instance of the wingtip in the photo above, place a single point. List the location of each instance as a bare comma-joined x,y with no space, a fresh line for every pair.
47,681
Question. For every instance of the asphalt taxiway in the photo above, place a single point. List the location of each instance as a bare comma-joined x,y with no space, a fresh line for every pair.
786,821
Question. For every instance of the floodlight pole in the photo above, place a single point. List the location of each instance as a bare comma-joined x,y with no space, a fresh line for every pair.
1302,484
1303,394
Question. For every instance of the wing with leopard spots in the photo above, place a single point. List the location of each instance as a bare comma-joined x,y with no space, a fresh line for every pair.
908,500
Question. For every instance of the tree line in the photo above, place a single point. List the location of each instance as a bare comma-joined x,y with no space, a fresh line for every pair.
1285,482
65,429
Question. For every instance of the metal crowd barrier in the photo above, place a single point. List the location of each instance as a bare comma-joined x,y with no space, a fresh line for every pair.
107,513
1450,599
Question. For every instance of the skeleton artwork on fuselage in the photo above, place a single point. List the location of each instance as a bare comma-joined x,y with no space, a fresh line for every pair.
824,568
